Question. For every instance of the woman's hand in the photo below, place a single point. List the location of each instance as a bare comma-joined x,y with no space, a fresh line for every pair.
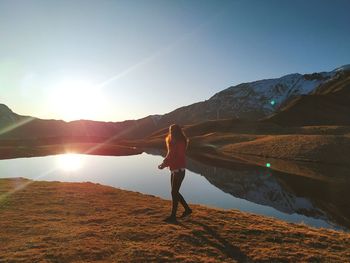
161,166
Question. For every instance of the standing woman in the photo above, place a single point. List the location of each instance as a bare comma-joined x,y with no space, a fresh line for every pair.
175,159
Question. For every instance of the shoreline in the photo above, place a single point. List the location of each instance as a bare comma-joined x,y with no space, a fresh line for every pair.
76,222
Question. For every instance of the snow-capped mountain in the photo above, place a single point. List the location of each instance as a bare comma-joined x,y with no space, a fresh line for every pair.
253,100
328,104
343,68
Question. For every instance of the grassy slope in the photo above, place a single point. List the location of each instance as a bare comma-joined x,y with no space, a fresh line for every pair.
80,222
331,149
322,144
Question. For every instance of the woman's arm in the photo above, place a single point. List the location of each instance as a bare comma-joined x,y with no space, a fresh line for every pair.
170,156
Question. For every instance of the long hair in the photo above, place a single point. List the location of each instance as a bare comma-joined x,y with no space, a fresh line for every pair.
176,134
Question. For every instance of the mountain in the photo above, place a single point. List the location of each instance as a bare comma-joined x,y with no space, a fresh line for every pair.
7,116
297,95
328,104
14,126
253,100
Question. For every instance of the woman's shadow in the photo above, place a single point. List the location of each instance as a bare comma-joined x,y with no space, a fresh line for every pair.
220,243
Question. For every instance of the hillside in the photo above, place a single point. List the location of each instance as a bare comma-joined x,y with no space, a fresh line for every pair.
252,100
14,126
326,105
331,149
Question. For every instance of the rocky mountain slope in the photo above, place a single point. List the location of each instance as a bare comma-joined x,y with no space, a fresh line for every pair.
328,104
252,100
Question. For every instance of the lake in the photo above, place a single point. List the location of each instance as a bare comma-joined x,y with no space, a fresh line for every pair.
259,191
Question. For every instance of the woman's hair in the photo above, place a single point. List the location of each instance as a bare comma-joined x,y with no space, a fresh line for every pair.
175,135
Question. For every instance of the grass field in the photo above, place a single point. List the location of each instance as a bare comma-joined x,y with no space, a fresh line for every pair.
85,222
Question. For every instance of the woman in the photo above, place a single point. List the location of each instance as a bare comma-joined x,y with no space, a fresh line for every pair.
176,143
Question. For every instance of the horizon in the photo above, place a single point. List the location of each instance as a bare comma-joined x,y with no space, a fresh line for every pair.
58,58
155,114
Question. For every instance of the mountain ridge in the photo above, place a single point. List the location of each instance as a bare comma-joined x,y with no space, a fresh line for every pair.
252,100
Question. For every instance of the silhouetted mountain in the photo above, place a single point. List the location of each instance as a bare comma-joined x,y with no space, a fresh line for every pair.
14,126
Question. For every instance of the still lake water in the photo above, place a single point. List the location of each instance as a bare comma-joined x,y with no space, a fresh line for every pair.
203,184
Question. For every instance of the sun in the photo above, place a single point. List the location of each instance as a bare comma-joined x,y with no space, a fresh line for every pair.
69,162
76,99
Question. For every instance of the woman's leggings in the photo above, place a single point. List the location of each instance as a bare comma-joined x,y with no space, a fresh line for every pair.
176,180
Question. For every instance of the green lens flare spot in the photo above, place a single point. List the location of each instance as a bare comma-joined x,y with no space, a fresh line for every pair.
268,165
272,102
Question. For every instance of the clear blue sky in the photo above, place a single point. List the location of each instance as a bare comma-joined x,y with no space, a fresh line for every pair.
116,60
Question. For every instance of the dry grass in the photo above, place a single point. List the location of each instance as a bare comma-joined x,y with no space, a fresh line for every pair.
318,144
85,222
328,149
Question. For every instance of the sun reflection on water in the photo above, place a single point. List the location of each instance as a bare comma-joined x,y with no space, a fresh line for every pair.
69,162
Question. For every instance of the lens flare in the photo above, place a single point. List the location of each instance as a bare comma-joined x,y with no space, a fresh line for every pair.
69,162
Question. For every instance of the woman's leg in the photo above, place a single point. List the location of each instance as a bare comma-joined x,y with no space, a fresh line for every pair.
183,202
176,180
181,199
171,180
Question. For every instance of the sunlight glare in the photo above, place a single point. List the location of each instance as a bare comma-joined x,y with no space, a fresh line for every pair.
69,162
75,99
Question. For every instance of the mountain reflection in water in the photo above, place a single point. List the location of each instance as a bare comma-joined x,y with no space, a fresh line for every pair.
314,190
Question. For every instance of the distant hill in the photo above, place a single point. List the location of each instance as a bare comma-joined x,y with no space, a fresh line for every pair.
14,126
7,116
295,99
